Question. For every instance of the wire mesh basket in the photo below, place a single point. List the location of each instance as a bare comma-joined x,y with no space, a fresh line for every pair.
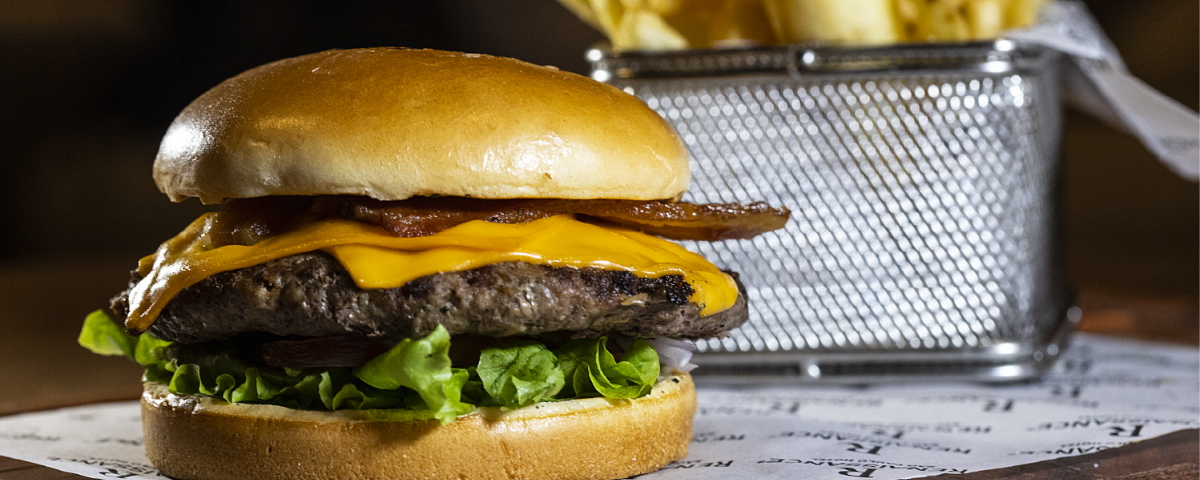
923,182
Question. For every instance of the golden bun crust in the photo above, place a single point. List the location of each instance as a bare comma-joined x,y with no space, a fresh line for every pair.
393,123
197,438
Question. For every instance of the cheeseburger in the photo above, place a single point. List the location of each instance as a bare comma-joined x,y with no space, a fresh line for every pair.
426,265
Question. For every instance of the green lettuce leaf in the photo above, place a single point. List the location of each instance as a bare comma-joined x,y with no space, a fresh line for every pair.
226,377
102,336
519,374
412,381
150,350
592,370
339,391
424,366
474,393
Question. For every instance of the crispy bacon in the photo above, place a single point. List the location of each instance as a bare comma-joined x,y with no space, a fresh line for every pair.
422,216
246,221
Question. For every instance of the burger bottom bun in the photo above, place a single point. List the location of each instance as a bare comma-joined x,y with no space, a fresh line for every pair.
197,437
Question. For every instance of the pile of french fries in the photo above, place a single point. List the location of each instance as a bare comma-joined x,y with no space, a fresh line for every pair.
680,24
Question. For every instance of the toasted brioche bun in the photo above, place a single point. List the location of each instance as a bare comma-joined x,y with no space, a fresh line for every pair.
393,123
197,438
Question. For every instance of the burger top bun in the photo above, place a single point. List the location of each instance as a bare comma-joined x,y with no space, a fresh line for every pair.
393,123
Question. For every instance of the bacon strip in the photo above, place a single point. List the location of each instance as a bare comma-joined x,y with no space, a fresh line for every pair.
422,216
246,221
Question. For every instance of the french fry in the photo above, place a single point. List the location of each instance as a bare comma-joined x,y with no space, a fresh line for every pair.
707,22
948,20
665,7
693,19
608,13
986,18
678,24
844,21
646,30
1022,13
912,20
742,21
960,20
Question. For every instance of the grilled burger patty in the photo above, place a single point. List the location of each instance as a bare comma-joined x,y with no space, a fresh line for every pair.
310,294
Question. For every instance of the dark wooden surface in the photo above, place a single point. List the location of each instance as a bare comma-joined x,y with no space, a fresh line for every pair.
42,305
1171,456
11,469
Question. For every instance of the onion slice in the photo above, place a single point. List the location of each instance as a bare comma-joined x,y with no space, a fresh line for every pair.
673,354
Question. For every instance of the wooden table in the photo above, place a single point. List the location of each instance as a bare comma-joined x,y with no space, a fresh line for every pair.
43,305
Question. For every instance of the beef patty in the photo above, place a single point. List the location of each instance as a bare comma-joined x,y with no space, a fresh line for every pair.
310,294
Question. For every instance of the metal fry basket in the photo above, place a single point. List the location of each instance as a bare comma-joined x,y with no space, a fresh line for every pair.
923,183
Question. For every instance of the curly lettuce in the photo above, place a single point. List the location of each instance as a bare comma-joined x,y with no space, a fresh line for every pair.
519,374
413,380
594,371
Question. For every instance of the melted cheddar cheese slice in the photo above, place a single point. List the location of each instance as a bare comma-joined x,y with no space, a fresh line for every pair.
376,259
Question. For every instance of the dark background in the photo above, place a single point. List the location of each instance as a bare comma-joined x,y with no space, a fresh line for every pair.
89,86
